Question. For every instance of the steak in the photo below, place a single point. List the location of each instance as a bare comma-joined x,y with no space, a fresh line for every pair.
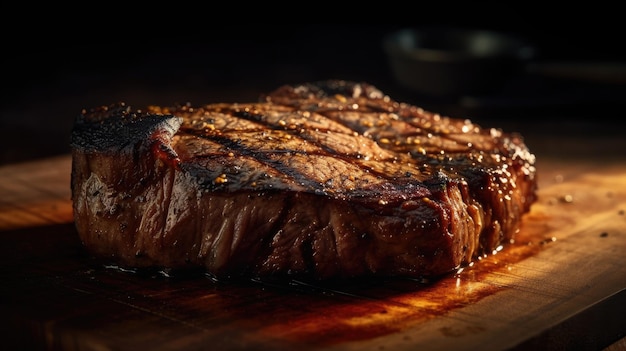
322,180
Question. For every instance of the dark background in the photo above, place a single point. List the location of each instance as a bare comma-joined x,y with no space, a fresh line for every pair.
52,73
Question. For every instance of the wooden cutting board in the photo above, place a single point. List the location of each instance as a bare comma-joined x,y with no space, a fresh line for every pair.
561,285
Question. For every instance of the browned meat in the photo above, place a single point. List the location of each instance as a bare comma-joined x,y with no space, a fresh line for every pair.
322,180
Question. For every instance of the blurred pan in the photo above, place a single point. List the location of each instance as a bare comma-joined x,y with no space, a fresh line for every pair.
451,62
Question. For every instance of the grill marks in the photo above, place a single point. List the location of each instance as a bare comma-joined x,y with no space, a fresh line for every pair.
368,112
285,142
338,142
353,146
273,145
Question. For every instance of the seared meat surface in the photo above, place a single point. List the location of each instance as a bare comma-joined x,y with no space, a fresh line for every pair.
321,180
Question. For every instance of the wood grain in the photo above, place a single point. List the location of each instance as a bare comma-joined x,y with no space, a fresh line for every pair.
35,193
561,285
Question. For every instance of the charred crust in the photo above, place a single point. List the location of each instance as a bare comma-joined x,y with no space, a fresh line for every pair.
111,128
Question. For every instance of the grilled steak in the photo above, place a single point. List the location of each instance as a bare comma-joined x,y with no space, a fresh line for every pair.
320,180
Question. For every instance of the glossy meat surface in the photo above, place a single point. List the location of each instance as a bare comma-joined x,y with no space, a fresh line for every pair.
320,180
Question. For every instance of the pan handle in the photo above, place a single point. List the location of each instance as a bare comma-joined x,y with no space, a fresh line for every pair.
601,71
